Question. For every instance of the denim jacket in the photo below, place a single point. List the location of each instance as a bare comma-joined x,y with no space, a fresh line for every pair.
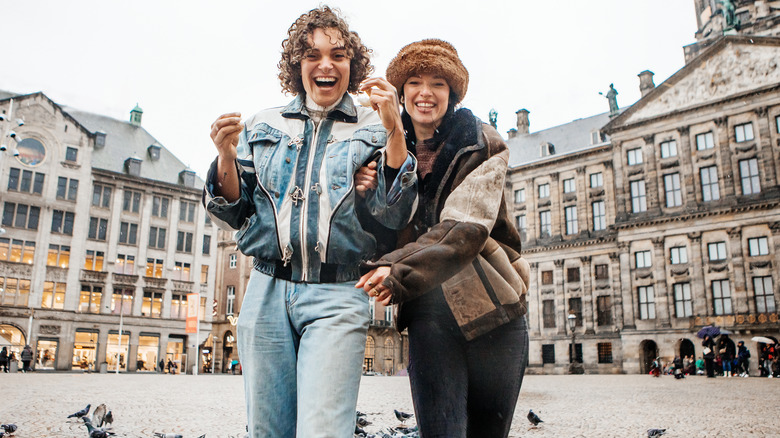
297,212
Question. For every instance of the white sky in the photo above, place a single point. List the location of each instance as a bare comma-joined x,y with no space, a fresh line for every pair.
186,62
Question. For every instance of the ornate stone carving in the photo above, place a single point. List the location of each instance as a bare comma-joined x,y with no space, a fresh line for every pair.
684,130
585,259
669,164
734,232
49,329
649,139
761,111
558,263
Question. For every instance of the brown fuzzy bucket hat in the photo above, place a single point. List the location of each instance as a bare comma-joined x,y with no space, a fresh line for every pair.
429,56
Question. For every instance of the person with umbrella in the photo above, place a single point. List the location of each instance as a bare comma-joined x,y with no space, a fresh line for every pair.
743,358
708,346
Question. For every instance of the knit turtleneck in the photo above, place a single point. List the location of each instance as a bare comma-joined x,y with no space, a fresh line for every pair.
317,112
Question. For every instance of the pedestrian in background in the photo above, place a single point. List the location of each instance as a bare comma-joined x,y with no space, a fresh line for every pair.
708,347
4,359
726,352
743,358
27,357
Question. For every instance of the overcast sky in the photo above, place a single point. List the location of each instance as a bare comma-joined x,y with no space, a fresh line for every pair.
186,62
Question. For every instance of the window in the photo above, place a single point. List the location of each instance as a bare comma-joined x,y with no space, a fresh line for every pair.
643,259
97,228
548,313
777,124
519,196
125,264
157,237
599,216
17,251
53,295
716,251
765,298
101,196
206,244
232,260
596,180
704,141
605,352
571,220
154,268
646,302
678,255
710,191
152,304
181,271
184,242
160,206
673,190
204,274
595,137
577,353
128,233
548,353
604,310
748,171
62,222
638,196
545,224
573,275
743,132
59,255
21,216
187,212
544,191
569,185
132,201
682,300
758,246
25,181
15,292
178,306
122,301
634,156
721,297
522,226
602,272
231,299
669,149
89,299
547,277
67,189
71,154
575,306
93,260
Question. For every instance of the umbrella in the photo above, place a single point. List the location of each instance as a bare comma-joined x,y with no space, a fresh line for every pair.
726,332
709,330
763,339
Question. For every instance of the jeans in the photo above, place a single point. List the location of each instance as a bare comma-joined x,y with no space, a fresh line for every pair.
301,347
462,388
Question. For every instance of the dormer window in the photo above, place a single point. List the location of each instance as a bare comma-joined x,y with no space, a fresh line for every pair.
154,152
100,139
187,178
133,166
547,149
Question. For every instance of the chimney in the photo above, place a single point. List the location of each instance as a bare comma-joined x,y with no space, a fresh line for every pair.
646,84
135,115
512,133
523,124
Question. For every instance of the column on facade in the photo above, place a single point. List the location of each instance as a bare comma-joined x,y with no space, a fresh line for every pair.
739,298
698,288
651,175
626,286
687,174
560,297
661,288
775,242
766,155
621,189
535,307
616,289
557,221
725,167
582,201
588,294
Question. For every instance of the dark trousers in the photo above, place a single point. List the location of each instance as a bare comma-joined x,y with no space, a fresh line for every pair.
462,388
709,365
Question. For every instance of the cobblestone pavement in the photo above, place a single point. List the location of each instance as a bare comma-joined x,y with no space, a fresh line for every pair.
571,406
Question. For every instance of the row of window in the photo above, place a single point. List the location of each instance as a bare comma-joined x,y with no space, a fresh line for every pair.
603,349
569,186
603,311
716,251
599,220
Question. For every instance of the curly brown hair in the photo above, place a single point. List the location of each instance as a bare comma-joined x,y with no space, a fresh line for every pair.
297,43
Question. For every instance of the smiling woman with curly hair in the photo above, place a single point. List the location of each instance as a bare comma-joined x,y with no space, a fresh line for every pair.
295,47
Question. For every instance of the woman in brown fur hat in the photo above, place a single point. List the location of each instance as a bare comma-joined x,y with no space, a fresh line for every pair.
457,275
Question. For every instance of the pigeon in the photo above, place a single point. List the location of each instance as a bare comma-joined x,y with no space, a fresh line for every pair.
95,432
109,418
8,428
359,431
362,422
652,433
407,430
168,435
533,418
80,413
402,416
99,415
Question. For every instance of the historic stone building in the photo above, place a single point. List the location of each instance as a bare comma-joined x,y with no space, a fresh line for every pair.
102,232
649,223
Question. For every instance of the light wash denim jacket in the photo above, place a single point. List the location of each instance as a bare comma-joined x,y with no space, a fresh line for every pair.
297,212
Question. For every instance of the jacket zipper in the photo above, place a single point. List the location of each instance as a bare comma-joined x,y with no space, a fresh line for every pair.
304,207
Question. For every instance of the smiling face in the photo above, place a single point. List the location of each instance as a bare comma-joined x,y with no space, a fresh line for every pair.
325,67
426,97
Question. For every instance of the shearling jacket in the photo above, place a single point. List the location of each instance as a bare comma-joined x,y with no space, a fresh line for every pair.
462,238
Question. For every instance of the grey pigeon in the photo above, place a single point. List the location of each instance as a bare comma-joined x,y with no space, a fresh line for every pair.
168,435
99,415
362,422
359,431
95,432
80,413
8,428
109,418
402,416
652,433
533,418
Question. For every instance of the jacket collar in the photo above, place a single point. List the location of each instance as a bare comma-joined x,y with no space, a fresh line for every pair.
463,132
344,111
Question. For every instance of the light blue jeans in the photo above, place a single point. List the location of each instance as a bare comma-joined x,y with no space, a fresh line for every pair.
301,347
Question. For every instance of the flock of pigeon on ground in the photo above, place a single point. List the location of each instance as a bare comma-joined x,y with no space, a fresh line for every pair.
99,426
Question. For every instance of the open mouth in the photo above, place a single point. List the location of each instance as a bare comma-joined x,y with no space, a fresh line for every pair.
325,82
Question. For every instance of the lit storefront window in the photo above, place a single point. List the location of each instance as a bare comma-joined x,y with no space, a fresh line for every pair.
148,346
175,352
47,353
85,350
116,350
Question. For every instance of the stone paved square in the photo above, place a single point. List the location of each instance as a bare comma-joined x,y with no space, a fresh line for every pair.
571,406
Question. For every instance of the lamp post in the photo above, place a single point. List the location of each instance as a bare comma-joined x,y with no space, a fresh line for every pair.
575,367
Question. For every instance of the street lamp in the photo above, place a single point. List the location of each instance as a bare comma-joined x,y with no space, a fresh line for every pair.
575,367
